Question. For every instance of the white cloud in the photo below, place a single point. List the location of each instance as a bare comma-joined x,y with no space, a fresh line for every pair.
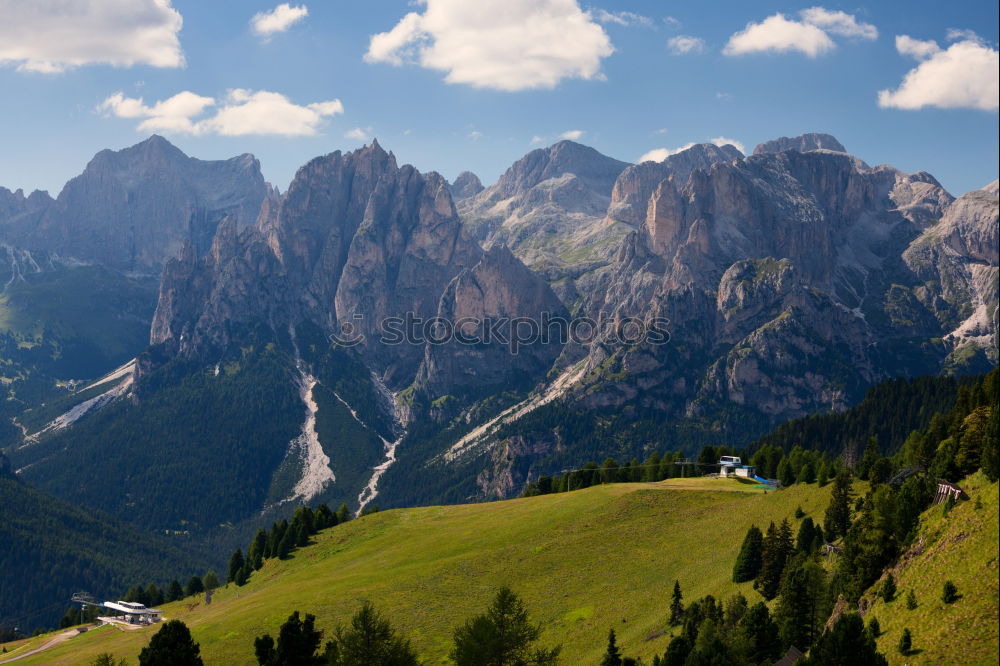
838,23
724,141
535,140
777,33
572,135
724,96
662,130
956,35
475,135
358,134
964,76
672,23
51,36
684,44
810,36
241,113
623,18
660,154
918,48
502,44
279,19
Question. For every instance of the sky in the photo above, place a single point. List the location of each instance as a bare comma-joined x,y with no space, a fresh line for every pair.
453,85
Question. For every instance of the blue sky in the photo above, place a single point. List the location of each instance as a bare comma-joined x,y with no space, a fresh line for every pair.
461,85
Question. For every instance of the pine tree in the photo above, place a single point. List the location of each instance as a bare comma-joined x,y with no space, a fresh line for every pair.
194,586
760,635
905,643
798,613
235,564
286,544
889,588
211,581
748,561
676,606
949,595
298,642
838,514
847,643
612,656
502,635
154,595
874,628
777,548
911,600
806,536
677,653
255,553
172,645
343,514
174,591
370,640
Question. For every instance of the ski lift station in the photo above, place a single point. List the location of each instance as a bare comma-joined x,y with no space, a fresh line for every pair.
730,466
132,613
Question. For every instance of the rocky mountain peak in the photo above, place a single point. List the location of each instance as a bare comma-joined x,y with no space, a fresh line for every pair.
635,185
598,172
801,143
467,184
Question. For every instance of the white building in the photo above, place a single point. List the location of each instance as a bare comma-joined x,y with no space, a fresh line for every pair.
730,466
133,613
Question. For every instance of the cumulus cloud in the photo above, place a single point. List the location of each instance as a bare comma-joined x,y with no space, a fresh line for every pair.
917,48
810,35
50,36
358,134
279,19
725,141
684,44
963,76
572,135
627,19
501,44
660,154
240,113
838,23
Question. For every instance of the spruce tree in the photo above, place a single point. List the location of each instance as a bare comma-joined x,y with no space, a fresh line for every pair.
846,643
343,514
501,635
874,628
911,600
905,643
298,643
949,594
748,561
194,586
777,547
760,634
888,588
806,536
257,549
676,605
838,514
370,640
174,591
154,595
211,581
235,564
172,645
677,653
612,656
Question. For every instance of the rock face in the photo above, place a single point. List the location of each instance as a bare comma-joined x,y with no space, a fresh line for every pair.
802,143
634,186
356,241
466,185
549,209
134,208
957,261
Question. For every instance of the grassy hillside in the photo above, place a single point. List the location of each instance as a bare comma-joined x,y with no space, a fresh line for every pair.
583,561
962,547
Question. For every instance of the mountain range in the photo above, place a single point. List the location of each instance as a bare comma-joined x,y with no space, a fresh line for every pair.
787,282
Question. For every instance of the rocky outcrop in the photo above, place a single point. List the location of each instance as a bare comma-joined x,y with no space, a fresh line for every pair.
466,185
356,242
548,208
134,208
802,143
634,186
510,356
956,260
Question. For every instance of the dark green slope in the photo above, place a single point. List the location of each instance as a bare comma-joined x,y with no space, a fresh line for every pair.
50,549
